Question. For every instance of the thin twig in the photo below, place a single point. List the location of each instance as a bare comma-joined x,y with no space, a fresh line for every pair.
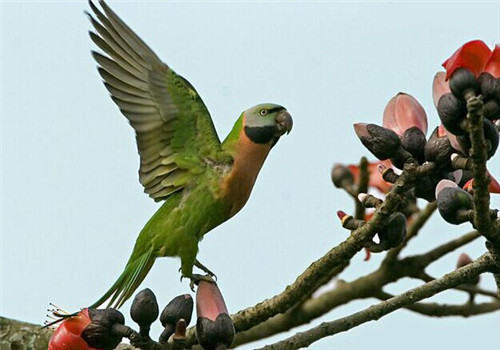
448,247
465,288
444,310
364,177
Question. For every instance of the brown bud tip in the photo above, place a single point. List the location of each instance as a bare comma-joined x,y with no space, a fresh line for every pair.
383,143
362,197
441,131
381,168
341,214
180,329
361,130
368,254
463,260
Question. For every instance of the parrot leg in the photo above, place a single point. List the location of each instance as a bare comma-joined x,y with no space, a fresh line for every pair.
195,279
204,269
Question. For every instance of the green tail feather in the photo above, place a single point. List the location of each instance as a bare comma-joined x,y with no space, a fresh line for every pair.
136,270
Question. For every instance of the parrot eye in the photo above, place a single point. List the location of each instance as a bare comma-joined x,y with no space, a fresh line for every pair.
263,112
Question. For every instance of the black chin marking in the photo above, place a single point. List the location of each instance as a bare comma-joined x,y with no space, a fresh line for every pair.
260,134
275,139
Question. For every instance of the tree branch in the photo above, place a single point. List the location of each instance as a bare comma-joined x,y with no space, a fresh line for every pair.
325,268
377,311
362,187
465,288
363,287
481,196
448,247
445,310
22,335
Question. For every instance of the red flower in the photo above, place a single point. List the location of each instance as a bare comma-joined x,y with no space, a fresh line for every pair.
493,64
477,57
68,335
472,55
494,186
403,112
375,177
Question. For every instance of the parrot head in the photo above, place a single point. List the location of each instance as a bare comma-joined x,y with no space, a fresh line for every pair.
266,123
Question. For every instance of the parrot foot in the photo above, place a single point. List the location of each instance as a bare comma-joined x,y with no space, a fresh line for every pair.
205,269
195,279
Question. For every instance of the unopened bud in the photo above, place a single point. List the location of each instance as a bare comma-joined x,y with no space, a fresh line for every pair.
391,235
491,136
463,260
369,201
491,110
454,204
487,85
413,140
452,112
381,142
394,231
144,310
99,333
463,81
341,176
181,307
438,150
214,327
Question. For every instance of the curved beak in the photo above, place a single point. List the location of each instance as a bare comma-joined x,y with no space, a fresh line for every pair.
284,123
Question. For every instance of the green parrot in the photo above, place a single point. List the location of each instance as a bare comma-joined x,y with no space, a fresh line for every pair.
201,181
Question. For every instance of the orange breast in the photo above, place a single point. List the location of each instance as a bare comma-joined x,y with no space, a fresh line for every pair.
248,160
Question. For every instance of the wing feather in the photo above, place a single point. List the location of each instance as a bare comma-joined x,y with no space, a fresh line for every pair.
174,132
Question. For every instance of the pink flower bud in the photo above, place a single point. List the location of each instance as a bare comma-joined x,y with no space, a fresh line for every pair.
403,112
439,87
463,260
214,327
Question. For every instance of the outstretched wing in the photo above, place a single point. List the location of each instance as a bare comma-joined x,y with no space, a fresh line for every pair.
174,132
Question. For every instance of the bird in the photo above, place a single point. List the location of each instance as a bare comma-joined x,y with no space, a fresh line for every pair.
201,181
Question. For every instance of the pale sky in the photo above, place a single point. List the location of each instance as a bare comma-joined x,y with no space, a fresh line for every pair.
72,205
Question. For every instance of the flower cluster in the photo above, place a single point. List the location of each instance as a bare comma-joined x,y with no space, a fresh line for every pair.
442,162
103,329
473,70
